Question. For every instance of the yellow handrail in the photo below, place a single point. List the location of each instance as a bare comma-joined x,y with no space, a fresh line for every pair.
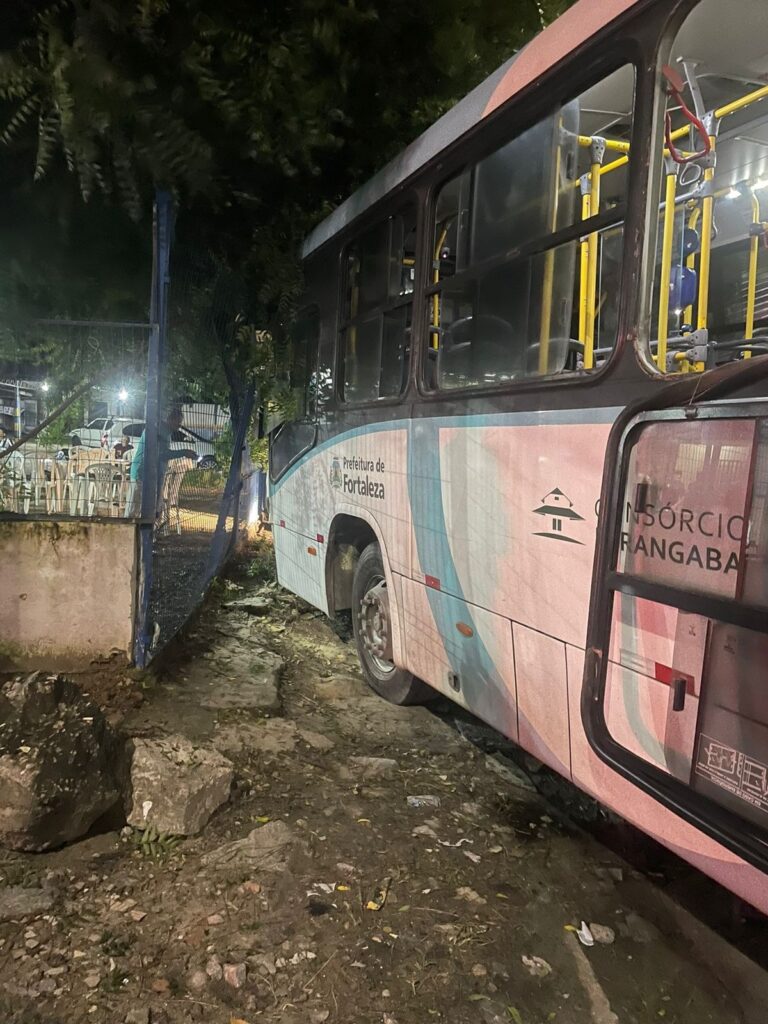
754,252
707,208
583,272
690,262
594,208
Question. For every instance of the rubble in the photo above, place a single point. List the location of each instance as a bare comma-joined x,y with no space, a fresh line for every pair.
60,763
176,786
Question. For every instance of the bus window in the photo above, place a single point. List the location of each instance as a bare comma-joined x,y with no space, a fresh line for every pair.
503,302
710,284
376,327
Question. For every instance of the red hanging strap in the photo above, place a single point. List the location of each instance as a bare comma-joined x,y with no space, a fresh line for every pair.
675,87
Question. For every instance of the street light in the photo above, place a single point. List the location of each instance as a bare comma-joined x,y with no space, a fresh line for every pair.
122,395
45,386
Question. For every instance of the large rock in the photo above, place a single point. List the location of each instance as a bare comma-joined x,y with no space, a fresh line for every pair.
59,763
176,786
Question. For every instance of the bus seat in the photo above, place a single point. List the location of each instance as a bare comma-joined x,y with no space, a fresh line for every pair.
563,355
478,348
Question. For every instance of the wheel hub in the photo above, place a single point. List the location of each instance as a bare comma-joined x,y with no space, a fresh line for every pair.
375,630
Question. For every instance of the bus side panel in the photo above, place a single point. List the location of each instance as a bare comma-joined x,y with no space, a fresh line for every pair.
643,811
450,644
542,694
505,509
363,475
298,570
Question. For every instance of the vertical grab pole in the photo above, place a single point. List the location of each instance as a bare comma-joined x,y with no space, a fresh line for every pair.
690,261
755,230
666,264
583,260
434,340
707,211
545,330
597,154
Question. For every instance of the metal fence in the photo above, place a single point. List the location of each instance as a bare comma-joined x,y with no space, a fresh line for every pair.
143,442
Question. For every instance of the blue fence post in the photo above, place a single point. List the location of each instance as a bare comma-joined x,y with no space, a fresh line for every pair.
162,229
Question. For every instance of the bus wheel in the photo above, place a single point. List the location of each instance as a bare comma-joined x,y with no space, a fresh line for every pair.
372,626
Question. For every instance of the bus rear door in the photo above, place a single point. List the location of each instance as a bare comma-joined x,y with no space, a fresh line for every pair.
675,691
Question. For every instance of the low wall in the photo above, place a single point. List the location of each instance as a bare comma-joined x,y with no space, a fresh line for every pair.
67,591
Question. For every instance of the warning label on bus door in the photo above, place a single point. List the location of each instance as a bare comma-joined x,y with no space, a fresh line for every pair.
733,771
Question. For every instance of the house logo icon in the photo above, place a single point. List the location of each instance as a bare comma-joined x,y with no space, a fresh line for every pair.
335,474
557,507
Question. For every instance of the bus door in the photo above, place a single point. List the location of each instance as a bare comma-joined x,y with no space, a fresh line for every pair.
675,692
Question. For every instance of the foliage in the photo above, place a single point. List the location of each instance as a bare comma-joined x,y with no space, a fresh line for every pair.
259,117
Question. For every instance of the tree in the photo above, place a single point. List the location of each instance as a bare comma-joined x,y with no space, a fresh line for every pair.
260,118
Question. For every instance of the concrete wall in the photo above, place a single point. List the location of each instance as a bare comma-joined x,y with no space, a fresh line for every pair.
67,591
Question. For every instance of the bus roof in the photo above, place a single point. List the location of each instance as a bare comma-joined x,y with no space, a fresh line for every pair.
573,28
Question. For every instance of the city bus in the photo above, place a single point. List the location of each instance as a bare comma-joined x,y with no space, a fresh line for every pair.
529,440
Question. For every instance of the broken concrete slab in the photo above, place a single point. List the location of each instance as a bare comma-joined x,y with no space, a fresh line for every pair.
176,786
265,849
233,680
18,901
60,763
254,605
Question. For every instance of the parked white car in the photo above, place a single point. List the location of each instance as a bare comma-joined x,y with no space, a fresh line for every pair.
111,429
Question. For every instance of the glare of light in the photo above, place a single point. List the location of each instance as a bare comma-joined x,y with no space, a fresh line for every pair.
733,194
45,385
122,395
678,312
763,183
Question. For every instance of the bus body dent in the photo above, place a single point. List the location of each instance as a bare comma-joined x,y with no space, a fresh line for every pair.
488,539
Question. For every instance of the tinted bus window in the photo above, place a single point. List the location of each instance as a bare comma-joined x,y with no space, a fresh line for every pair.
376,328
504,302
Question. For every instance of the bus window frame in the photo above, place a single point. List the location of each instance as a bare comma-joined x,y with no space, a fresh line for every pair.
667,36
619,53
739,835
390,207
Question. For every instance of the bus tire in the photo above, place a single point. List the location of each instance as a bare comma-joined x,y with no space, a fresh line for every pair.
371,623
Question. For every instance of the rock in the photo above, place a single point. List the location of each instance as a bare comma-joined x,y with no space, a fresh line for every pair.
197,981
213,969
469,895
139,1015
262,850
602,933
16,902
316,740
214,919
60,763
234,974
367,768
175,786
251,605
92,980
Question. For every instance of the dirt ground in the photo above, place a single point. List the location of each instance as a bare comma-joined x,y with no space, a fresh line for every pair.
435,885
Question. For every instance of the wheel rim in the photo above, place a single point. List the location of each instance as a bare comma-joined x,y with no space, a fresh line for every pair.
375,627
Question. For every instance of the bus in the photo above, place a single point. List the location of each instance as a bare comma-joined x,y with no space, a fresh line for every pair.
529,440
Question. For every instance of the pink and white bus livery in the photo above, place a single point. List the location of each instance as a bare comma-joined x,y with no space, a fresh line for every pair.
530,451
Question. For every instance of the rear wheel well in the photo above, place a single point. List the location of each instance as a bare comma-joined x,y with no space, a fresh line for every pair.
348,538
